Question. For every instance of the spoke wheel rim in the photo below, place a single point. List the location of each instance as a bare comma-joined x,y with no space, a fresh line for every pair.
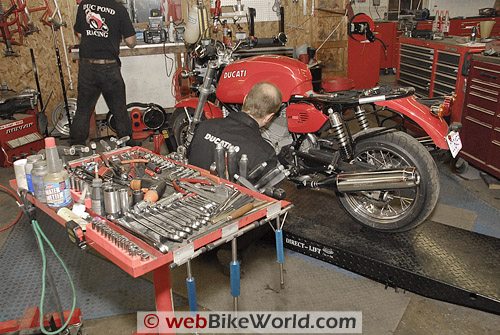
399,203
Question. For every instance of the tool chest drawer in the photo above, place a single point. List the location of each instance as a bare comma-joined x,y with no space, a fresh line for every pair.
415,67
445,79
476,136
486,73
479,113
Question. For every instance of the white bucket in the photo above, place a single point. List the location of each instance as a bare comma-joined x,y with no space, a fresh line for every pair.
485,28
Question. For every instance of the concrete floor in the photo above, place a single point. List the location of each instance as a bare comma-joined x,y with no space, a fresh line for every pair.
314,285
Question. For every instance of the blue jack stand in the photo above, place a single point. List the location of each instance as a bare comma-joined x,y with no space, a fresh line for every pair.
191,289
234,267
280,252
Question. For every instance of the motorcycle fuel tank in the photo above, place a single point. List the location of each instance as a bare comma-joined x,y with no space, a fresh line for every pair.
304,118
289,75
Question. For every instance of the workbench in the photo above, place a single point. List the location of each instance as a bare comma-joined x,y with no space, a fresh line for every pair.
160,263
147,71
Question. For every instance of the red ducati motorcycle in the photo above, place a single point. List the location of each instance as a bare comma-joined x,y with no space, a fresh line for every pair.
347,140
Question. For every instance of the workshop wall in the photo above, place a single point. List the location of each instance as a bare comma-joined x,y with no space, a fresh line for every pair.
455,7
17,71
311,30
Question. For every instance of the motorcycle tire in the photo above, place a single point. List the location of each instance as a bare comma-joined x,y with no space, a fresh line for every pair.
180,123
394,150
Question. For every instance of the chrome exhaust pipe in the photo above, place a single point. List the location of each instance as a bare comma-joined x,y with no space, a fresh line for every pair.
377,180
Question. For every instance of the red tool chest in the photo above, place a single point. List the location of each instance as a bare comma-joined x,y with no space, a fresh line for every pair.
19,138
481,115
434,68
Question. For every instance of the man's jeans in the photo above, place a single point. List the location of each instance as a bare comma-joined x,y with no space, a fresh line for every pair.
94,79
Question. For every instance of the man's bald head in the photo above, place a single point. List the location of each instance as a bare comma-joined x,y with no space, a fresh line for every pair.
263,100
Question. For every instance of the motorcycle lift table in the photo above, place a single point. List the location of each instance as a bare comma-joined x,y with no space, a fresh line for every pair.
433,260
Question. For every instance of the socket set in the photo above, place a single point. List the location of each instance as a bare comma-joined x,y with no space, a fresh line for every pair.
122,242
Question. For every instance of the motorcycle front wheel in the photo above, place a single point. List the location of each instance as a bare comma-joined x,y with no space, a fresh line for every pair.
180,124
394,210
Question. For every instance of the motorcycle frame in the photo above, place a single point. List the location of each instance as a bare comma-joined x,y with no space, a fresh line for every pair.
405,105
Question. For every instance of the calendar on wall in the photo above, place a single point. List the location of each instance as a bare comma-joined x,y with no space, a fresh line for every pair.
264,8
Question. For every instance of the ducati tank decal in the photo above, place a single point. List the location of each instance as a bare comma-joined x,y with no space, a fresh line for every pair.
235,74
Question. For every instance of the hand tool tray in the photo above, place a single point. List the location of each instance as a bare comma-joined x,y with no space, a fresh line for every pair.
178,253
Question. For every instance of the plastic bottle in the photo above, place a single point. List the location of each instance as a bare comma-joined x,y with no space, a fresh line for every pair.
28,169
171,31
37,174
57,186
446,22
435,22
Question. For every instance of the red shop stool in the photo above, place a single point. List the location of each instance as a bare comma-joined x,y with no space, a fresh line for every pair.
335,84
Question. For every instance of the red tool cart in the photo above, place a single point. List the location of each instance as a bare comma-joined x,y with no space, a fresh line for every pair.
363,56
387,32
435,68
19,133
481,116
161,263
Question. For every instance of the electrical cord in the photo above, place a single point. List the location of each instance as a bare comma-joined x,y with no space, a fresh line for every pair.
383,45
19,214
28,208
166,59
40,237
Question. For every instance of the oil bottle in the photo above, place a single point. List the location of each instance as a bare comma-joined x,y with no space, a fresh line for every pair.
56,181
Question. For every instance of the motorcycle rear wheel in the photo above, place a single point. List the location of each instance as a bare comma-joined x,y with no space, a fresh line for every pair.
394,210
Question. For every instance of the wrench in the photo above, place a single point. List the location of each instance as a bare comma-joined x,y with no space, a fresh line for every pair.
163,225
167,235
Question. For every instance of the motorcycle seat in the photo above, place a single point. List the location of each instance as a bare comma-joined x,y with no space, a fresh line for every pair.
335,84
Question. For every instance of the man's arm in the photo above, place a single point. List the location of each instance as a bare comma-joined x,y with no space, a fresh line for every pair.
131,41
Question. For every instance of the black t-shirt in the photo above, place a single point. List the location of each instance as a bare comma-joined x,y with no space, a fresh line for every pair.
102,24
238,130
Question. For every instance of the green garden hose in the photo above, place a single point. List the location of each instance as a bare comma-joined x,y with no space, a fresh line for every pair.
40,237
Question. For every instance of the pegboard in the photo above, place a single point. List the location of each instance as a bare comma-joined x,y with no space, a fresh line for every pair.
263,8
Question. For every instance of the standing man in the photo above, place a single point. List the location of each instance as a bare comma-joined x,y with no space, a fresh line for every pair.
101,25
239,130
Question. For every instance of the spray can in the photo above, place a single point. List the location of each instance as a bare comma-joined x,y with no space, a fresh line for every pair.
37,175
446,22
57,186
28,168
171,31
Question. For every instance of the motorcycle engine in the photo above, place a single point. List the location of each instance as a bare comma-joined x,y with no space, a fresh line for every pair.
276,132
